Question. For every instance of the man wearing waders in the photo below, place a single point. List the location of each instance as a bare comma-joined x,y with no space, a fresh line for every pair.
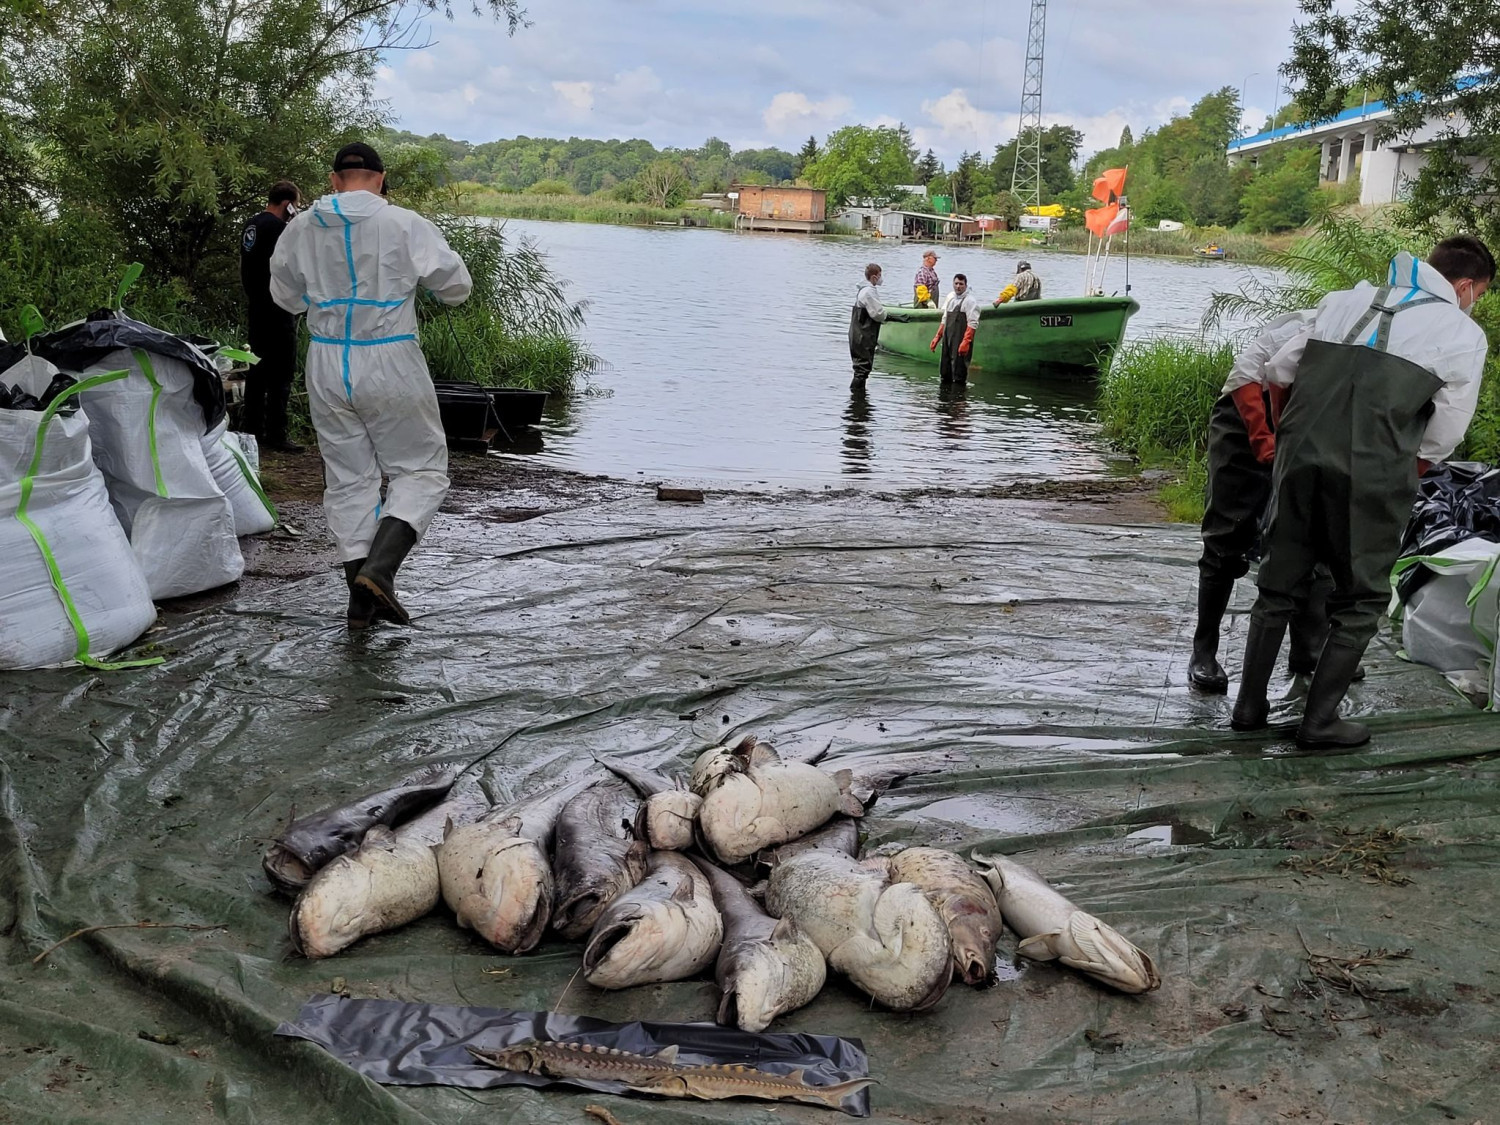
956,332
1383,384
1241,446
864,326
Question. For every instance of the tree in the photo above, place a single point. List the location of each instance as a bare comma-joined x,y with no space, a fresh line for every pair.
663,183
970,181
1126,139
806,155
908,145
927,168
1425,52
168,119
860,162
1060,145
1285,196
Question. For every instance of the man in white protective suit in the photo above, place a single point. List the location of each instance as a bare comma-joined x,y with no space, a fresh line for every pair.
354,263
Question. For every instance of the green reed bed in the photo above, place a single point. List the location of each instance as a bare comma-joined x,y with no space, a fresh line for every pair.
591,209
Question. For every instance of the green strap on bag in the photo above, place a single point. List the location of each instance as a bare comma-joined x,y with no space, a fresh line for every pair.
80,632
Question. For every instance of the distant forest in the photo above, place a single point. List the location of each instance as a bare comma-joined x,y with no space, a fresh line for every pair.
587,166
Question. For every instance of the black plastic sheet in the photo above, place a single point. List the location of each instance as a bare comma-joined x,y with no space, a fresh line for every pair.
398,1044
82,345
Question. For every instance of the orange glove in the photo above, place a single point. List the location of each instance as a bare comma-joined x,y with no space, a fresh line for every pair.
1250,401
968,341
1278,397
936,340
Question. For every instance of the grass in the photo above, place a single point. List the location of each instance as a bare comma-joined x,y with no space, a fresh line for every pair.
591,209
1174,244
1154,403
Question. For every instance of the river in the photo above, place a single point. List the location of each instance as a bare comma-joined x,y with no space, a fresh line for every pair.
727,363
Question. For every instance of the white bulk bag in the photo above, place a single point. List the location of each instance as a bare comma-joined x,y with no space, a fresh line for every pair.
1449,622
148,433
73,589
252,508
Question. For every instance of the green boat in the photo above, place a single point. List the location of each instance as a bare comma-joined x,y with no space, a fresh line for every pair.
1057,336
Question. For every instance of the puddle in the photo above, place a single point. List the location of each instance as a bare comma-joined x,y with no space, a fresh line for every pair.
1175,834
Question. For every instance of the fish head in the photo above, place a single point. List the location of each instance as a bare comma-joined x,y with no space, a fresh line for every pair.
333,911
668,819
516,886
973,932
523,1058
708,768
627,937
1107,955
285,870
758,987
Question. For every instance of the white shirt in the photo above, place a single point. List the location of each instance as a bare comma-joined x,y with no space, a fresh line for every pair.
1440,337
965,304
869,297
1250,364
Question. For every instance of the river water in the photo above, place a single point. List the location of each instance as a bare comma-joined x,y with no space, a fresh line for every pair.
727,363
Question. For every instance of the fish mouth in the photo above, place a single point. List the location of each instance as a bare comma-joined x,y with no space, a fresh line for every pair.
972,968
729,1009
578,914
602,944
285,870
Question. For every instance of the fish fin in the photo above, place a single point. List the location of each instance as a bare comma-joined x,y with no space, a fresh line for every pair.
761,755
685,891
833,1096
744,746
1040,947
667,1055
447,827
786,929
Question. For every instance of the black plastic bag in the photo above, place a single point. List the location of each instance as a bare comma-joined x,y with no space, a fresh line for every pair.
401,1044
1455,501
83,345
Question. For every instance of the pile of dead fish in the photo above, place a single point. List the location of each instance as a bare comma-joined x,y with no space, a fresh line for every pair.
750,864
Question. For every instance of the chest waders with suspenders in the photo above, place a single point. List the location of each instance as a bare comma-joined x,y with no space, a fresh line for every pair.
1342,488
864,334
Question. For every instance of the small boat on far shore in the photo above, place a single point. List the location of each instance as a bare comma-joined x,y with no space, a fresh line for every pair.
1212,250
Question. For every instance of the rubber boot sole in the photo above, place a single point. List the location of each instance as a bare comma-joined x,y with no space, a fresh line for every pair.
385,600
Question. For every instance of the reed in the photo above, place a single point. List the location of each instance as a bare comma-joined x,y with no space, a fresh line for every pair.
591,209
1169,243
1157,395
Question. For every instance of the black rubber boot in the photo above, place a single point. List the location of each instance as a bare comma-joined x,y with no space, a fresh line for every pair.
394,540
1204,670
1321,728
1252,708
361,604
1309,631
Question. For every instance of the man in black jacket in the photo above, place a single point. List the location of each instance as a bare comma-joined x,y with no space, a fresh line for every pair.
273,331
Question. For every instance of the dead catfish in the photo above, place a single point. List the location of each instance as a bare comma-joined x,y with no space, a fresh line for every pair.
669,811
310,842
1052,928
963,899
496,874
885,937
664,928
596,855
767,966
761,800
389,880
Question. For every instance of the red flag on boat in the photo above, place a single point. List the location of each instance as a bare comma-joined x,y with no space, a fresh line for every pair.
1099,219
1110,185
1121,222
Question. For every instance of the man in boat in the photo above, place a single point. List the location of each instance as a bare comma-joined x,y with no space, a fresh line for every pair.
1026,286
1241,446
354,263
955,332
864,326
927,278
1382,384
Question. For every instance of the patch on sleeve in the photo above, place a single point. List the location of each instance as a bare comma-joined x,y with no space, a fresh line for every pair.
247,240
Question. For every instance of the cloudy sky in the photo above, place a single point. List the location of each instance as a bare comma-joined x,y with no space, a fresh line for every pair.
771,72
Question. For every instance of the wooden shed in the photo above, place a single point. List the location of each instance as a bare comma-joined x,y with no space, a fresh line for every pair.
781,208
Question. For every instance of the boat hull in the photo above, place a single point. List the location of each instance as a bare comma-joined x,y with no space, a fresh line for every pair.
1069,335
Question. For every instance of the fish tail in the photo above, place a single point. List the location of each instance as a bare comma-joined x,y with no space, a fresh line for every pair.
833,1096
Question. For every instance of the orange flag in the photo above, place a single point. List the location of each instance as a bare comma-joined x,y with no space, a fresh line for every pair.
1110,186
1099,219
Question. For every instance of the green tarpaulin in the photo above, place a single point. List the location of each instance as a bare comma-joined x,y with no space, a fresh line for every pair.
1322,922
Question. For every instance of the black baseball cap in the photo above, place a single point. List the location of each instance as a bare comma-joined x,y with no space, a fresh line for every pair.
357,156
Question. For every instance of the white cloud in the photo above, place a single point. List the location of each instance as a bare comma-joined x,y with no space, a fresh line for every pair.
955,122
791,112
576,96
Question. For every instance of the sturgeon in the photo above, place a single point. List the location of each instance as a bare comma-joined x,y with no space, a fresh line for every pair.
391,879
669,812
309,843
597,855
1052,928
963,899
664,928
761,800
662,1074
496,876
767,966
887,938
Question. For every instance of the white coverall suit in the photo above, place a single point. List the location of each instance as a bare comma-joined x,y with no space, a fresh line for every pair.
354,263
